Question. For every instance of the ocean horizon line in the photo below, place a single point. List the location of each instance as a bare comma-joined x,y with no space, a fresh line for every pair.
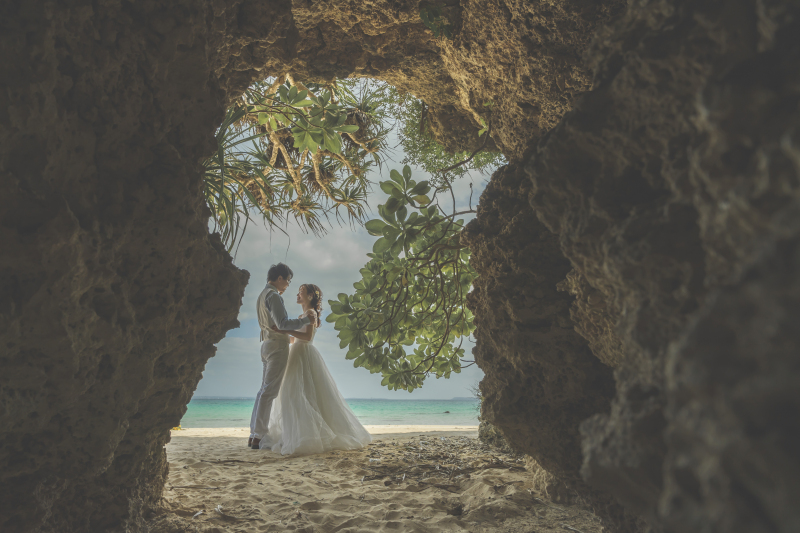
455,398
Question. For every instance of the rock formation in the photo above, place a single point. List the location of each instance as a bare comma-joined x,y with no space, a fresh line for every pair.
672,189
113,291
638,257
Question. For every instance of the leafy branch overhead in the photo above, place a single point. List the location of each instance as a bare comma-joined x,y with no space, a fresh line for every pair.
290,150
423,150
407,318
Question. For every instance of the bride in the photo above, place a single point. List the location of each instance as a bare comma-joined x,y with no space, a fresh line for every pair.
310,415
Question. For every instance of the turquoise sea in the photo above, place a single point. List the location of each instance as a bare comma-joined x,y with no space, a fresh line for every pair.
235,412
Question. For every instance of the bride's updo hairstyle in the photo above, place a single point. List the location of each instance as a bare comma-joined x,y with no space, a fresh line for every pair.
316,299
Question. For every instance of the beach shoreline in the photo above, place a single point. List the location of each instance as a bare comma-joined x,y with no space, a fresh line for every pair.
236,412
381,431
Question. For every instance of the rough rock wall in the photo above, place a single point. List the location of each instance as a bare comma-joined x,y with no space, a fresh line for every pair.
112,292
541,378
673,189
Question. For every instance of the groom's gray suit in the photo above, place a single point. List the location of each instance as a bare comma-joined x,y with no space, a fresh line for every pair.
274,354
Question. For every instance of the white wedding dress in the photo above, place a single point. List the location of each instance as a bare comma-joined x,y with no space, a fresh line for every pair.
310,415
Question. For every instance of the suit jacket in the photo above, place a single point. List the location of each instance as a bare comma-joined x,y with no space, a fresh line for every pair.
272,312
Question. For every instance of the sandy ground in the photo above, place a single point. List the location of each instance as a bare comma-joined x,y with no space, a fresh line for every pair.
410,479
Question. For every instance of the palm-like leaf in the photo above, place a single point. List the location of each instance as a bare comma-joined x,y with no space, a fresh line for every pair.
259,170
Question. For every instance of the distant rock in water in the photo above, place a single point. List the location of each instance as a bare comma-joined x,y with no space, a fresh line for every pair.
447,412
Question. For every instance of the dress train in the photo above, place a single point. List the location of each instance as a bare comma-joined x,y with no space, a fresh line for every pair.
310,415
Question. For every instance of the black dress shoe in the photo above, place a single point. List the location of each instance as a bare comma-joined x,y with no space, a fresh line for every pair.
250,442
255,444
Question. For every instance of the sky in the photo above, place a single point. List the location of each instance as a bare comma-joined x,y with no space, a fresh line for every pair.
331,262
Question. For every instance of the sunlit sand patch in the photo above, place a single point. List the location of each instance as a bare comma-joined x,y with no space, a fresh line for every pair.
411,479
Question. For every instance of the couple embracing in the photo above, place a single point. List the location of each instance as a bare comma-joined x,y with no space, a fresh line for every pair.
299,408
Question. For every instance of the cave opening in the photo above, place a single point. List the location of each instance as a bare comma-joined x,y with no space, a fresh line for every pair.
601,363
120,293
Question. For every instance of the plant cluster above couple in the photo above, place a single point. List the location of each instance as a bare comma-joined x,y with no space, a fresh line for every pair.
298,408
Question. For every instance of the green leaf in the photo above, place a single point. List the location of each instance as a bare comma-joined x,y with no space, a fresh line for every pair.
392,204
375,227
397,178
333,142
299,140
407,173
422,199
381,245
388,187
401,214
347,129
422,187
391,233
387,215
397,247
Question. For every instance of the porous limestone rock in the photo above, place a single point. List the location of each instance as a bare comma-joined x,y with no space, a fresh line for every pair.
674,190
541,377
112,291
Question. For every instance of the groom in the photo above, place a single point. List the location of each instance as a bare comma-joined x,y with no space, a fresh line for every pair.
274,348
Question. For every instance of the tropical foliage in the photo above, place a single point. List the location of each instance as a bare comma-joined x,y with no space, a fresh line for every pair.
424,151
303,152
290,150
407,318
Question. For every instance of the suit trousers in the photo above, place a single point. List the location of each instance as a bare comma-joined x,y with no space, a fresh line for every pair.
274,356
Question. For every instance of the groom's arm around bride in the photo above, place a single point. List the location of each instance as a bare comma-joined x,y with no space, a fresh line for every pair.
270,307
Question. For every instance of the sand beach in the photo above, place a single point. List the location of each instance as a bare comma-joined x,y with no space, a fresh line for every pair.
410,479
